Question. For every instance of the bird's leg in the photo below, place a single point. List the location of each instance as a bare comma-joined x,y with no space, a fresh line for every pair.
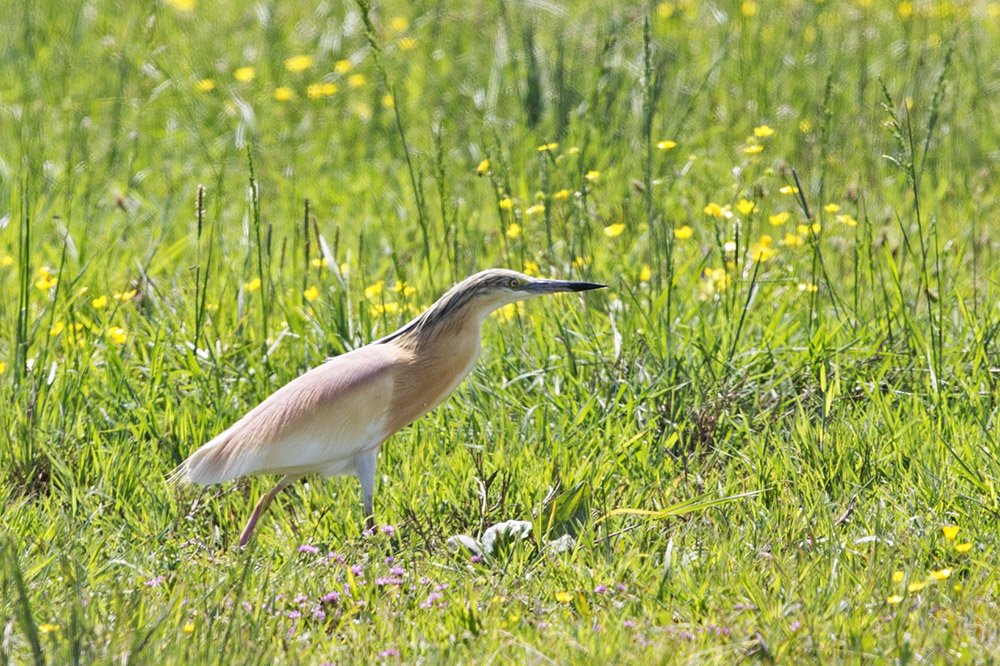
365,466
262,505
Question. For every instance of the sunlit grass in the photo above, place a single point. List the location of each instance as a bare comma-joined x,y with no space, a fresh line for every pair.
777,427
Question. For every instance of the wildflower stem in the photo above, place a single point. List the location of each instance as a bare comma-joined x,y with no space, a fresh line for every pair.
199,293
365,7
255,214
746,308
24,281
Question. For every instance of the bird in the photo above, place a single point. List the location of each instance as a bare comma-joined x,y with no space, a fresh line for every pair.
333,419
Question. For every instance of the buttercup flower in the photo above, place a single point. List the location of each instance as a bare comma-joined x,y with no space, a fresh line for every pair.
613,230
298,63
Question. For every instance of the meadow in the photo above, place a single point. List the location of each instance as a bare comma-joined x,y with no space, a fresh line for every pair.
772,439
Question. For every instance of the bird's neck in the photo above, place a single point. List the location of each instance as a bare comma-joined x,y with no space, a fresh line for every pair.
445,323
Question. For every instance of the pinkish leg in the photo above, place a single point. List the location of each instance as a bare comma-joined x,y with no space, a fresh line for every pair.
262,505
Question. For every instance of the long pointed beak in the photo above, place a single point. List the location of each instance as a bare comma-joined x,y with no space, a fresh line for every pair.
541,286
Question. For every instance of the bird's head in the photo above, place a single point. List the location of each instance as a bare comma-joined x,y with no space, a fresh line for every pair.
475,297
497,287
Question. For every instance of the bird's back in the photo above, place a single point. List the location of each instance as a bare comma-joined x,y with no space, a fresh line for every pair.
316,421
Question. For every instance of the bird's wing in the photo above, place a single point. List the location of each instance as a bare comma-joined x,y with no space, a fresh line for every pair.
331,413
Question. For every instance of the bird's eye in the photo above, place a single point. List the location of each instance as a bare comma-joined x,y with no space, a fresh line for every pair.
513,283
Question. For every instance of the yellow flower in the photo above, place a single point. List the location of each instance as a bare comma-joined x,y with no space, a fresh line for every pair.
779,219
530,267
714,280
537,208
407,44
318,90
683,232
564,597
117,334
592,175
514,230
749,8
388,101
405,289
561,194
399,23
356,80
762,131
715,210
941,574
57,328
311,294
666,145
46,282
388,309
298,63
963,547
124,297
950,531
342,66
182,5
894,599
375,289
788,189
189,627
847,219
804,229
509,311
897,576
754,149
916,586
3,367
805,127
483,167
905,10
46,628
831,207
245,74
506,203
580,262
762,251
792,240
645,273
319,262
252,285
746,207
613,230
283,94
205,85
810,288
547,146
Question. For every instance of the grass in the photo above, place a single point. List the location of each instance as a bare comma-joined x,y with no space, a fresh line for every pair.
749,434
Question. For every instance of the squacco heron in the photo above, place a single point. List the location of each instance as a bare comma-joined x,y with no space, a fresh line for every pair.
332,419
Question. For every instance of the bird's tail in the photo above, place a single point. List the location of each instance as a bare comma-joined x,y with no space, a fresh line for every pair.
179,476
214,462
